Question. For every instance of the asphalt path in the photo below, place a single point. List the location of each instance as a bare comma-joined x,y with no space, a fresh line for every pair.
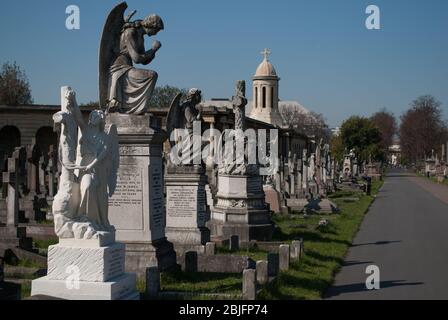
404,234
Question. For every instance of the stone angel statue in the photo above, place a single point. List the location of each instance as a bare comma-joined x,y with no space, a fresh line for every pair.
89,156
180,122
124,88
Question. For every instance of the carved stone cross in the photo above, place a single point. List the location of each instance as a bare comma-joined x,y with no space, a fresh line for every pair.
266,53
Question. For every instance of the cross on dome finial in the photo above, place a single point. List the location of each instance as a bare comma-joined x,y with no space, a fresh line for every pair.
266,53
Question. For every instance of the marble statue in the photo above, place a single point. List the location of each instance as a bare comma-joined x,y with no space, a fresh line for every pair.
124,88
89,157
180,122
235,166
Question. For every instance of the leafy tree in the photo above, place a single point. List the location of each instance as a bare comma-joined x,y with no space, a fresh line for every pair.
91,104
337,147
361,135
163,96
422,129
14,86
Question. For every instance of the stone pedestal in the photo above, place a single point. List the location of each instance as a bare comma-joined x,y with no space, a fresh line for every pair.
137,208
241,209
186,209
87,270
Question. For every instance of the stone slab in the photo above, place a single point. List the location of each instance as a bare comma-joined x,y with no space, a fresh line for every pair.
120,288
91,264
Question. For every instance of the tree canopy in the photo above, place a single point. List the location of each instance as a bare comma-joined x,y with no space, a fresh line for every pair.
163,96
387,125
14,85
361,135
422,129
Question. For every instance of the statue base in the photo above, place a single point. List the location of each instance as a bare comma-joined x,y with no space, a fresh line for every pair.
87,270
120,288
241,210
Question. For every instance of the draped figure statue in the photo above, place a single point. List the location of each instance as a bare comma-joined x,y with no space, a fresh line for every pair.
89,157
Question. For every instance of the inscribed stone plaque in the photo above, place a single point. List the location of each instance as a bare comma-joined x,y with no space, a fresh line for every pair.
126,205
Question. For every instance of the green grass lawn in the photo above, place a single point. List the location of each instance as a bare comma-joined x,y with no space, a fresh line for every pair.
324,249
433,179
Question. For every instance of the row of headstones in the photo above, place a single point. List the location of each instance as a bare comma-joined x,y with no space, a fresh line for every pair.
29,180
253,278
309,177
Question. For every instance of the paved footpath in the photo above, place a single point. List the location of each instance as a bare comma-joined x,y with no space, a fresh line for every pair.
405,234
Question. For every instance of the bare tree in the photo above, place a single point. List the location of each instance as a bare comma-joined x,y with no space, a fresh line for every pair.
422,129
14,86
387,124
311,124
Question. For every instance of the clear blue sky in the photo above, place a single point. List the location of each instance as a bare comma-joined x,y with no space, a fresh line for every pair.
326,58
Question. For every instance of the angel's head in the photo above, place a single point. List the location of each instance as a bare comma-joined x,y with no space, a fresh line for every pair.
152,24
194,95
97,119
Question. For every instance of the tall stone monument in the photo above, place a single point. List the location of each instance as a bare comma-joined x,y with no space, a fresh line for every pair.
137,208
186,180
87,263
240,207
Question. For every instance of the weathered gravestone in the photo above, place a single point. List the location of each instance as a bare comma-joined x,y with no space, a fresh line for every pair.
137,209
186,200
240,208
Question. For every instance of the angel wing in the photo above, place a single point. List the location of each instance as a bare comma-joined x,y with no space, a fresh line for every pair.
113,161
110,47
173,118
